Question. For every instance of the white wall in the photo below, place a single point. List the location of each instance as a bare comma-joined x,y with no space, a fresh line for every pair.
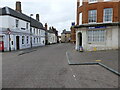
111,40
10,22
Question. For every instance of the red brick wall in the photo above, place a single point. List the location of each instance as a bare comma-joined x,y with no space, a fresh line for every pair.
99,6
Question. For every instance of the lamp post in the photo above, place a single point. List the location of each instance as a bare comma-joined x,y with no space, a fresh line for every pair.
9,32
30,31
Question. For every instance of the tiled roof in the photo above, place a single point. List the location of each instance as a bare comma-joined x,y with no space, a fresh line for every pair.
11,12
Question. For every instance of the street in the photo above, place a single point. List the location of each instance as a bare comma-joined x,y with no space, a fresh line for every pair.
47,67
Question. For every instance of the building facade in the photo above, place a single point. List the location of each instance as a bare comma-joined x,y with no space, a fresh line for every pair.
19,31
73,35
65,36
51,35
98,23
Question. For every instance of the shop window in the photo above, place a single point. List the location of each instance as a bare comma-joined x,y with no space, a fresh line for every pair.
96,35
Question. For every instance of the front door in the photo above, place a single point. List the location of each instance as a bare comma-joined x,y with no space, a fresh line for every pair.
17,43
80,39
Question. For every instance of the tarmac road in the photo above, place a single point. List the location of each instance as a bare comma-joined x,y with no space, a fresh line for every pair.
47,67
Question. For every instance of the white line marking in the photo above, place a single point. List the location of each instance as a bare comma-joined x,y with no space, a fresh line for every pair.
74,76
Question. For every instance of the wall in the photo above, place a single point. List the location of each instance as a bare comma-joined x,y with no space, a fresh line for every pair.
111,41
99,6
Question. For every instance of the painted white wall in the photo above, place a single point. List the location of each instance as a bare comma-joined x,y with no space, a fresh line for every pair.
111,40
10,22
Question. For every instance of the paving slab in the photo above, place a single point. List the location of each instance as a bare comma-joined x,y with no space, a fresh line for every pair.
107,57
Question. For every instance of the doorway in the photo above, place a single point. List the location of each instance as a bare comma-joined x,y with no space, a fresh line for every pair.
17,43
80,38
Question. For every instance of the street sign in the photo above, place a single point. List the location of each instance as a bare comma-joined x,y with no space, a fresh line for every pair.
8,31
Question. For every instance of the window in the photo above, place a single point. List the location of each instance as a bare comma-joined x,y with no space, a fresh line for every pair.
107,0
96,35
108,15
81,2
80,20
34,30
39,32
37,40
27,25
23,39
92,16
31,30
92,1
17,23
27,39
34,40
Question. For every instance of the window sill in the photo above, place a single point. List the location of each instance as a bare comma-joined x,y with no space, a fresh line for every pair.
93,2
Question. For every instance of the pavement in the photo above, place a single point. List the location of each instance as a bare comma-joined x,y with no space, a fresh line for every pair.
47,67
106,57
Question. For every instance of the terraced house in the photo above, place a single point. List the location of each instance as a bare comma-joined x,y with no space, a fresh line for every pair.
98,24
19,31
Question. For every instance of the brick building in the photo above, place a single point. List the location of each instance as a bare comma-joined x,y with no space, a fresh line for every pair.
73,33
98,22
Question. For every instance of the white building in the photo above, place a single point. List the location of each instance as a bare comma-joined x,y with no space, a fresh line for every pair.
19,31
52,38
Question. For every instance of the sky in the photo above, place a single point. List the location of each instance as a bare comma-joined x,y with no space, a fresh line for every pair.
57,13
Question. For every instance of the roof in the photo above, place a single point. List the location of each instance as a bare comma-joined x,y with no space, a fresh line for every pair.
11,12
98,24
66,32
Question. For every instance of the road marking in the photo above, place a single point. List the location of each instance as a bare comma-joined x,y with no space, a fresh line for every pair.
98,60
74,76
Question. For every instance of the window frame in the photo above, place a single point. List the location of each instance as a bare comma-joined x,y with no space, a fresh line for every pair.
23,40
97,36
92,16
105,16
27,25
16,23
94,1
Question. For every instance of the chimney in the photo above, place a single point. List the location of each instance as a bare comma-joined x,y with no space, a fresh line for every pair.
78,3
18,6
46,26
37,17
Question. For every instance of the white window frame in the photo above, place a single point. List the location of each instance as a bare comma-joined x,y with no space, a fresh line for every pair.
23,40
104,16
96,36
107,0
27,39
80,18
81,3
92,1
94,15
16,23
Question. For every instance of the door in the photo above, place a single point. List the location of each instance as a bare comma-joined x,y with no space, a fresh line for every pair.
80,39
17,43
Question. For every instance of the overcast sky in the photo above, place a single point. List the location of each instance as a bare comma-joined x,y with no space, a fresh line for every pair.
57,13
